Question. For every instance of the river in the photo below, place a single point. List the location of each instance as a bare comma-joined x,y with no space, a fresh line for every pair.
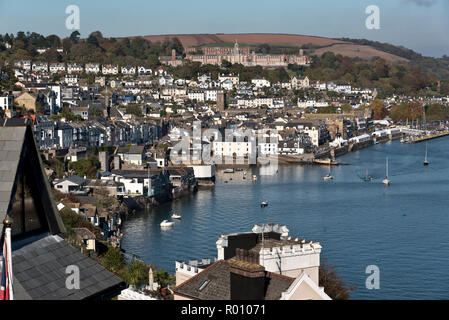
402,229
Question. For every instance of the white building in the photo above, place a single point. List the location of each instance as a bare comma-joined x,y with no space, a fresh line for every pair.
92,68
74,68
261,83
57,67
196,95
233,78
71,79
314,134
232,149
128,70
211,95
109,69
40,66
144,71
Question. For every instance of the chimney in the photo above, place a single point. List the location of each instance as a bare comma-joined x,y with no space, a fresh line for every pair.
247,276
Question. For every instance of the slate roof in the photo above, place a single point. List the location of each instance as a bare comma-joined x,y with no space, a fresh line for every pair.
219,285
40,273
11,141
16,144
76,179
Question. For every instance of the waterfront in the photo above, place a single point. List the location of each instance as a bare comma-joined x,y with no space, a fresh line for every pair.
402,228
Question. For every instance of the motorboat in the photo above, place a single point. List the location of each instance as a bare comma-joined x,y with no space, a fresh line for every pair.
167,224
264,204
176,216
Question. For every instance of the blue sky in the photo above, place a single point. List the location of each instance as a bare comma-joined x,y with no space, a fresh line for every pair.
422,25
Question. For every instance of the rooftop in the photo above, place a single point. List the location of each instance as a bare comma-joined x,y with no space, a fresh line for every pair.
214,283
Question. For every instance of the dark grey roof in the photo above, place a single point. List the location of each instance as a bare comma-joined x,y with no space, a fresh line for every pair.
219,283
39,270
76,179
16,145
11,141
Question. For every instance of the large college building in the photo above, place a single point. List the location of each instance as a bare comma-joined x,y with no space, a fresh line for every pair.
216,56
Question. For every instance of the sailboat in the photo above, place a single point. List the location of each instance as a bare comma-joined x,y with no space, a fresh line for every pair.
386,181
426,161
328,176
367,178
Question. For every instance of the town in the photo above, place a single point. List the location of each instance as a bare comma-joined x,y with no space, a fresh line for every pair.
107,136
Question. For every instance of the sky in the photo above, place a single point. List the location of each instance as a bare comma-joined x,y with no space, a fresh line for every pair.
421,25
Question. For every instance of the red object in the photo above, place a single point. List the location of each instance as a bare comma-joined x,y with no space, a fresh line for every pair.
4,280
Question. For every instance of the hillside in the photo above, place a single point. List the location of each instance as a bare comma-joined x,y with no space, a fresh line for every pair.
353,48
192,40
358,51
314,45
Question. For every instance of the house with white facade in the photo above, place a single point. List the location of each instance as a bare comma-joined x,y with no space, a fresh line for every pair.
109,69
57,67
70,184
144,71
93,68
233,78
71,79
128,70
196,95
40,66
74,68
261,83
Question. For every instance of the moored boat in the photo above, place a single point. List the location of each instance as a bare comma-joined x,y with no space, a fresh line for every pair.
167,224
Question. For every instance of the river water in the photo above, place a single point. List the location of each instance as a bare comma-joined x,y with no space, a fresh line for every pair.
402,229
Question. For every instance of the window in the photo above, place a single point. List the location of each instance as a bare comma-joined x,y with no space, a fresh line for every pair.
203,285
27,213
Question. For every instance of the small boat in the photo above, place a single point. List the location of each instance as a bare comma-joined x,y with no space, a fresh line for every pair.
264,204
254,178
328,176
176,216
426,160
167,224
386,181
367,178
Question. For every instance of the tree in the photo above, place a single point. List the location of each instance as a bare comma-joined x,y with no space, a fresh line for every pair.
381,68
85,167
163,278
135,110
346,108
75,36
380,112
333,285
53,41
226,64
92,40
114,260
136,273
